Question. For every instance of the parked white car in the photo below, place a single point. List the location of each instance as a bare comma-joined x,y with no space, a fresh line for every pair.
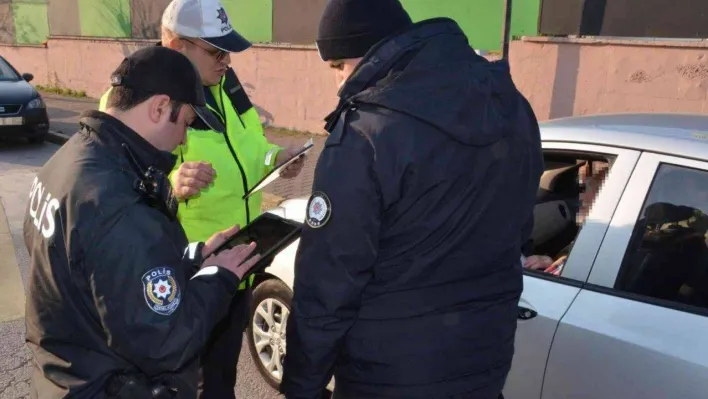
627,317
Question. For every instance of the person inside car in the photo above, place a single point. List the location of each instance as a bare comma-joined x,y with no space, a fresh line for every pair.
555,266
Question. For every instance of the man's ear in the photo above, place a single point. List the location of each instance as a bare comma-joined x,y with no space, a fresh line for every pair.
174,43
158,105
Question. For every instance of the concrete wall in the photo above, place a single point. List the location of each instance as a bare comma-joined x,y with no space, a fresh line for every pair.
290,85
564,77
32,59
293,89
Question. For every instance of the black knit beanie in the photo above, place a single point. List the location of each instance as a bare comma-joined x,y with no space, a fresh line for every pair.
349,28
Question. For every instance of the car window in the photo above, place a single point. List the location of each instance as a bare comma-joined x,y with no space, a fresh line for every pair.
6,72
568,188
667,255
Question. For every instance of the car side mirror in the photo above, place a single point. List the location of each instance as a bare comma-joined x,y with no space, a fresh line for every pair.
27,76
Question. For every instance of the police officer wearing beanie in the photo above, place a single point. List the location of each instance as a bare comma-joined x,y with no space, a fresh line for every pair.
407,275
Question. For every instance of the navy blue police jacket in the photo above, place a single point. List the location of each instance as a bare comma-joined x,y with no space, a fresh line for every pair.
113,282
407,275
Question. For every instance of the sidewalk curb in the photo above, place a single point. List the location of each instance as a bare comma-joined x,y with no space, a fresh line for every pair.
57,138
12,290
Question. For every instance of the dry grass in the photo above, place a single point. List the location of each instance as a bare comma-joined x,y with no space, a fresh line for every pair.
276,131
62,91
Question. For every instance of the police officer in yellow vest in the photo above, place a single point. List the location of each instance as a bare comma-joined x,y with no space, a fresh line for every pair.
214,170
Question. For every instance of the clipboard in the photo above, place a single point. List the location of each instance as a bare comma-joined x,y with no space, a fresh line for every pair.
275,173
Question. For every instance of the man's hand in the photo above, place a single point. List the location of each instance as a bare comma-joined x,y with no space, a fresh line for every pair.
234,259
538,262
191,178
217,239
295,167
231,259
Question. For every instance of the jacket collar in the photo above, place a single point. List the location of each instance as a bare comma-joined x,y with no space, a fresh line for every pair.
381,58
115,133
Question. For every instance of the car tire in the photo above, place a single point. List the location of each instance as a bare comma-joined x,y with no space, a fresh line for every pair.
266,328
37,140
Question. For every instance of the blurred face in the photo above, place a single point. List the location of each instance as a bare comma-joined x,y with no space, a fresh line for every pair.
209,60
169,121
343,69
592,187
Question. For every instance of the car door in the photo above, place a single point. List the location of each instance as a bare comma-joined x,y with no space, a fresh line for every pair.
546,298
639,328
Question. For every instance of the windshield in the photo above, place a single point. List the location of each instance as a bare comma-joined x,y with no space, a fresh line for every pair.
7,72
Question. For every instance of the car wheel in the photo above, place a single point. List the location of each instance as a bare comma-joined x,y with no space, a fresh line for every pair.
266,331
36,140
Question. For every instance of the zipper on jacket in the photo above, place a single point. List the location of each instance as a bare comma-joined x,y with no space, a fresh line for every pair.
228,143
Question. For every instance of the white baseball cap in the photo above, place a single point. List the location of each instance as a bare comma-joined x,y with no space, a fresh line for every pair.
206,20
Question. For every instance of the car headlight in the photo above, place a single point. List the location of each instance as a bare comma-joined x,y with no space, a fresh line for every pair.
36,103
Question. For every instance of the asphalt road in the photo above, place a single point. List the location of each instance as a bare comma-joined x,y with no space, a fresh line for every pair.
64,112
19,163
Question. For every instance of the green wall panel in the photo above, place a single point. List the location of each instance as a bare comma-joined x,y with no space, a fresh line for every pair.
31,25
105,18
251,18
480,19
524,18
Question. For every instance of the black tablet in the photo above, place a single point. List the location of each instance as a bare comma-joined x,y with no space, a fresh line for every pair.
271,233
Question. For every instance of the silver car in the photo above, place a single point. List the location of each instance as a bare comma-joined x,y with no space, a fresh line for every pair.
627,316
622,310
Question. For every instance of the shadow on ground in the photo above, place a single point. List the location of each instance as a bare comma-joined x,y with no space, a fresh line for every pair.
61,113
20,152
67,128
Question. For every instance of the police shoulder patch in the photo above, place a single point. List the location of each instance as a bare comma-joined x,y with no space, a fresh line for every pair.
162,291
319,210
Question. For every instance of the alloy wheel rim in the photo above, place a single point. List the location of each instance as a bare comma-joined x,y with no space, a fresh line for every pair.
269,327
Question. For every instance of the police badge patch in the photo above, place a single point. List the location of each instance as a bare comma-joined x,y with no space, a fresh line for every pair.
319,210
162,292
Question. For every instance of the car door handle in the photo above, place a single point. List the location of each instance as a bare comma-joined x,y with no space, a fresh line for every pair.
526,311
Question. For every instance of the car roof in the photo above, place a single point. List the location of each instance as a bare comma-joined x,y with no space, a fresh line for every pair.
684,135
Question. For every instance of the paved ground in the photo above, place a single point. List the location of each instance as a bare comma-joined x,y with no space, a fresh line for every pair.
19,163
64,112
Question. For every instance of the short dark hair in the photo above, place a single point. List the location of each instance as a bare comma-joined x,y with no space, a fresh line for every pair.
124,98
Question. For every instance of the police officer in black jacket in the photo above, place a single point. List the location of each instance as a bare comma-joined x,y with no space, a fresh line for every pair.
119,303
407,277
